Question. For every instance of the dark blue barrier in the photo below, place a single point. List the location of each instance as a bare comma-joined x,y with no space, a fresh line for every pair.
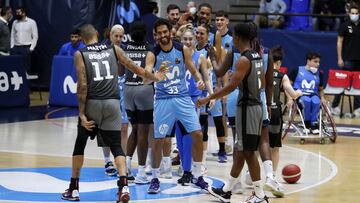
14,89
297,44
63,82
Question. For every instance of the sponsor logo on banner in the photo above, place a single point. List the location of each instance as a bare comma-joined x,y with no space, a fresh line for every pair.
13,81
69,84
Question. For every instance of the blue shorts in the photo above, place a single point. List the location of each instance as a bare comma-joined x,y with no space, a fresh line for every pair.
265,112
231,103
124,118
167,111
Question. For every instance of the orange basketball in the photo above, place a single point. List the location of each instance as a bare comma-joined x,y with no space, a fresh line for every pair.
291,173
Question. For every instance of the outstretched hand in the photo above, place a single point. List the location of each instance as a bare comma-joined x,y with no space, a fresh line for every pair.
163,69
202,101
211,52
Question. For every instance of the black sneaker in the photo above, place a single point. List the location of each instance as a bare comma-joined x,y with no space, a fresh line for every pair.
110,170
185,180
220,194
315,129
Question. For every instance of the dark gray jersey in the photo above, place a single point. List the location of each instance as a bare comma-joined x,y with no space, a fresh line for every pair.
102,71
253,81
278,76
137,53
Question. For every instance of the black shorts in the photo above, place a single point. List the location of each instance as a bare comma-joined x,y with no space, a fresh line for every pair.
275,128
106,138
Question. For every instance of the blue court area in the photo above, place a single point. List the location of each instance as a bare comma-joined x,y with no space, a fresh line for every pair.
45,185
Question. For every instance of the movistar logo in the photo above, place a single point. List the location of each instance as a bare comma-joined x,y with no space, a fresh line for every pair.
306,85
70,84
127,15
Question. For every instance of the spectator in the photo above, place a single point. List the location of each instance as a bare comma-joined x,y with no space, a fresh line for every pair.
327,7
149,18
24,36
191,9
173,13
271,6
69,48
348,50
6,15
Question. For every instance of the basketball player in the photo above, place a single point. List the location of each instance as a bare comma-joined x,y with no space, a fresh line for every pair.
139,101
249,77
99,109
172,101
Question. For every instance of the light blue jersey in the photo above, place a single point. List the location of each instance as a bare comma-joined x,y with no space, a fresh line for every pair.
190,81
121,82
175,84
231,101
263,93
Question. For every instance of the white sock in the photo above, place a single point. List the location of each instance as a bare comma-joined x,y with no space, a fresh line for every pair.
148,157
204,157
259,192
155,172
141,170
230,184
167,162
107,159
197,169
128,162
268,169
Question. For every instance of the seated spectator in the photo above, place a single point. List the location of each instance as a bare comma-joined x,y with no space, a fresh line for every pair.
309,80
69,48
6,15
271,6
328,7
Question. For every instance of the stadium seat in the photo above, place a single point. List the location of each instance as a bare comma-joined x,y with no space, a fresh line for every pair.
283,70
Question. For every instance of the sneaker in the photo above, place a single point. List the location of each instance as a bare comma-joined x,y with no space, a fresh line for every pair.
124,195
148,169
200,182
154,187
255,199
220,194
185,180
335,111
222,157
248,180
203,170
274,187
315,129
141,179
237,189
165,172
71,195
110,170
130,176
306,131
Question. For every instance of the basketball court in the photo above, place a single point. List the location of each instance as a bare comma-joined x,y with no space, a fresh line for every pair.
35,166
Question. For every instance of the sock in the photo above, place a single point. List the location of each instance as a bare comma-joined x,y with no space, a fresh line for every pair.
74,183
259,192
148,157
107,159
229,184
156,172
128,162
197,169
268,169
204,157
122,182
167,162
222,146
141,170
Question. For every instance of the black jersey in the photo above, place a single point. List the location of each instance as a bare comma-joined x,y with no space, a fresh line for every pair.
137,53
278,76
253,82
102,71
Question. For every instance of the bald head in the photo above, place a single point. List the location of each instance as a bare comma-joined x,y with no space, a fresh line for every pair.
88,33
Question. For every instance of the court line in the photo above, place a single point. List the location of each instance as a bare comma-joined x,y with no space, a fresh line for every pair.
333,173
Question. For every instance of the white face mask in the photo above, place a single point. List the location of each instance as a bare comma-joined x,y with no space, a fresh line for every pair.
354,18
313,69
192,10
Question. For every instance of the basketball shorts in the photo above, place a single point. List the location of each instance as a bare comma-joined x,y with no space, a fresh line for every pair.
231,103
139,103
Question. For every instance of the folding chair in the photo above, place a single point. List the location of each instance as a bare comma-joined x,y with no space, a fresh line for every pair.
355,87
338,82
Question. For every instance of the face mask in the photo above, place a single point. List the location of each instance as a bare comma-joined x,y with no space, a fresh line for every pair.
18,17
313,69
354,18
192,10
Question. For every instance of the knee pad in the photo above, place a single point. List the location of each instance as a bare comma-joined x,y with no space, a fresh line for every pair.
81,140
113,140
220,131
116,150
204,126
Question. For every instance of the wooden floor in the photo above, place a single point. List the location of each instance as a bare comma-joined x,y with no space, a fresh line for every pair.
330,172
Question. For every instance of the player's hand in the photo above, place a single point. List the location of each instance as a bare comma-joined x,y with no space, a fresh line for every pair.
88,125
298,94
212,103
211,52
163,69
183,19
200,85
289,103
202,101
341,63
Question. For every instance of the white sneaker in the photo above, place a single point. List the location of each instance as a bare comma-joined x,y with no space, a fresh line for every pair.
237,189
166,174
356,113
248,180
315,131
274,187
141,179
148,169
335,111
306,131
255,199
165,171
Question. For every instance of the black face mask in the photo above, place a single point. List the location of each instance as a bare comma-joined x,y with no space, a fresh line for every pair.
18,17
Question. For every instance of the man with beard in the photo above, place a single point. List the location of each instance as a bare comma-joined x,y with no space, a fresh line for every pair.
173,13
172,101
69,48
